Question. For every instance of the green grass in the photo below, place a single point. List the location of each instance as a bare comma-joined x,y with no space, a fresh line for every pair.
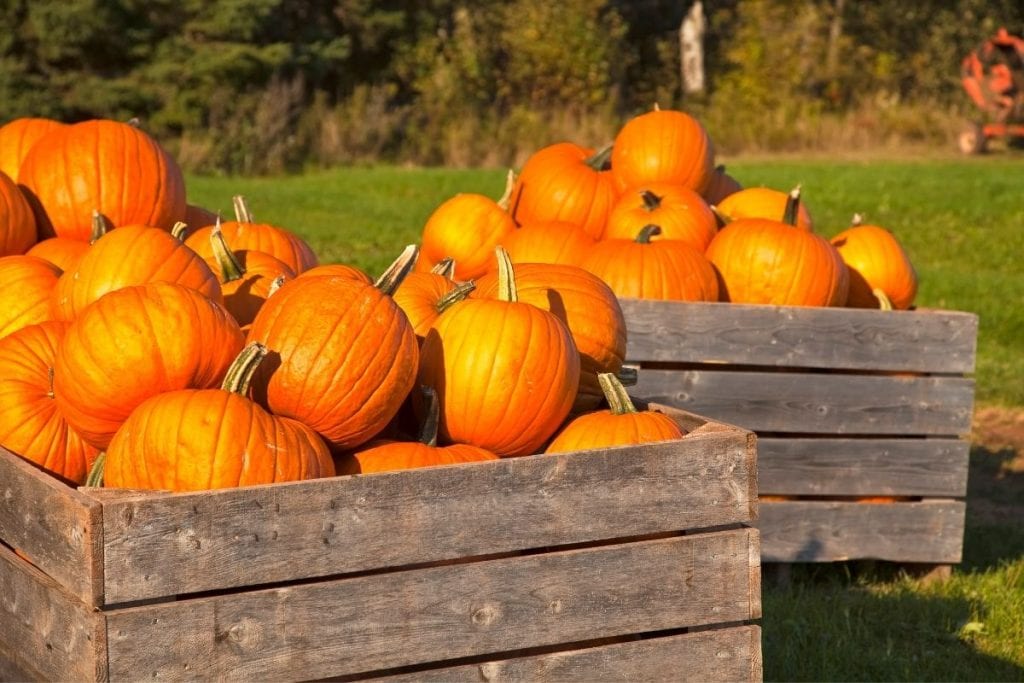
962,221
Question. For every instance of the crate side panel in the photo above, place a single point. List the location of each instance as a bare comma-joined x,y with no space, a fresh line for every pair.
230,538
371,623
727,654
817,403
824,531
862,467
793,336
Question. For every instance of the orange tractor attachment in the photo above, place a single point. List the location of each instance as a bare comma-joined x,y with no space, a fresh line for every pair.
993,76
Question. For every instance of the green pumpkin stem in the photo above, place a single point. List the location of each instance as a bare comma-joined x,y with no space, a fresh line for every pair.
391,279
95,476
230,267
445,268
618,400
720,217
646,233
275,285
239,376
179,231
428,430
856,220
100,226
651,200
792,211
453,297
506,198
602,159
628,375
242,212
884,302
506,277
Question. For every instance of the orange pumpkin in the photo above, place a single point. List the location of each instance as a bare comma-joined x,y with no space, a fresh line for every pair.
548,242
663,146
16,139
167,443
27,292
423,297
62,252
245,277
197,217
642,269
881,274
621,425
338,270
106,166
30,423
721,186
764,202
506,372
565,182
136,342
17,224
681,213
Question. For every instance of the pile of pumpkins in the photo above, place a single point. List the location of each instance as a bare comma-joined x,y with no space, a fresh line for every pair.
148,345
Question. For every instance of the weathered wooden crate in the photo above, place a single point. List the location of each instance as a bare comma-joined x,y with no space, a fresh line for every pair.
846,403
631,563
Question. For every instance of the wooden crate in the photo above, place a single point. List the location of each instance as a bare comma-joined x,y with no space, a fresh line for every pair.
846,403
632,563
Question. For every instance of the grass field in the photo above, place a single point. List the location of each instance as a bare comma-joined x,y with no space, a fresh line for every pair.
962,220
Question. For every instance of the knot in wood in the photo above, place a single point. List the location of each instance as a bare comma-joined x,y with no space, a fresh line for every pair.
485,616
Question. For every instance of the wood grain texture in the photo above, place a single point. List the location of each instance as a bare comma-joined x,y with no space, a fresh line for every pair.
53,524
817,403
45,632
370,623
180,544
860,467
825,531
728,654
791,336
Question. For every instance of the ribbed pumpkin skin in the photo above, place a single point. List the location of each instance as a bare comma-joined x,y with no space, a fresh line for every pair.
197,217
668,269
278,242
466,228
681,213
585,305
26,297
721,186
548,242
17,138
245,296
339,270
418,297
763,202
506,374
192,440
387,456
343,357
134,343
767,262
107,166
663,146
30,424
556,184
132,255
17,224
602,429
62,252
876,260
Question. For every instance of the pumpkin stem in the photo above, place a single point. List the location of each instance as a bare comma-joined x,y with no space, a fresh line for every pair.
179,231
602,159
390,280
445,268
242,212
239,376
428,430
884,302
792,211
506,277
230,267
506,198
720,217
95,476
651,200
856,220
100,226
646,233
618,400
49,376
657,107
275,285
628,375
453,297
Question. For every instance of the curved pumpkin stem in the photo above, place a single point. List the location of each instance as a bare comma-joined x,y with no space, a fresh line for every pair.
95,476
856,220
428,430
391,278
618,400
646,233
884,302
242,212
506,198
651,200
453,297
275,285
100,226
445,268
657,107
506,277
230,267
179,231
602,159
720,217
239,376
792,211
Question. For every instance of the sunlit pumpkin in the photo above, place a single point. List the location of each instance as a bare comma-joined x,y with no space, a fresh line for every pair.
681,213
881,274
663,146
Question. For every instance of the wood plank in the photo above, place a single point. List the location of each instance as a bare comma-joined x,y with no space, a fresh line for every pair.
728,654
238,537
817,403
827,531
46,632
863,467
371,623
793,336
57,527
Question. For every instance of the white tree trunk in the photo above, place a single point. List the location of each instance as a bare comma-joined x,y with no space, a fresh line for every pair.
691,49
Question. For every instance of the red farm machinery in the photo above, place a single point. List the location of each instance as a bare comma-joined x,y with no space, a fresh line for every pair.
993,76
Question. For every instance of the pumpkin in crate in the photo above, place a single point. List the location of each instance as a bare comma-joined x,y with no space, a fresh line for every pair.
18,136
17,224
721,186
663,146
27,295
881,274
246,277
62,252
199,439
764,202
680,213
423,297
197,217
548,242
338,270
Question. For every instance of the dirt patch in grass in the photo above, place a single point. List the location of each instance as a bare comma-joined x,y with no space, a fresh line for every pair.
996,484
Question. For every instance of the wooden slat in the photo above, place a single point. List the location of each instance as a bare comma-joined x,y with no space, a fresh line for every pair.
179,544
798,531
863,467
818,403
729,654
347,626
45,632
53,524
792,336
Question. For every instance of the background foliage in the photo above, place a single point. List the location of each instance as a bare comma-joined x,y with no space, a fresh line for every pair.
252,86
